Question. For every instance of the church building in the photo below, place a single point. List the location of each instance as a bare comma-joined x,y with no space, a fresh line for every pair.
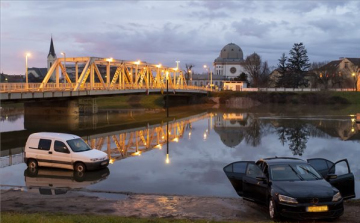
37,74
229,63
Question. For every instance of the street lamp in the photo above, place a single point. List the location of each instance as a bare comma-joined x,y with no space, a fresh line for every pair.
167,94
64,54
108,72
26,71
355,87
208,68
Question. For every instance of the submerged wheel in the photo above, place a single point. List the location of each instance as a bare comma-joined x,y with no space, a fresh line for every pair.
79,167
32,164
272,209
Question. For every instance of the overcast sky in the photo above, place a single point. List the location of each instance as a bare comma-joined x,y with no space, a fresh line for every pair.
166,31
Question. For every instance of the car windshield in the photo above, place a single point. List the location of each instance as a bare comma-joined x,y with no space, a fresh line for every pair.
293,172
78,145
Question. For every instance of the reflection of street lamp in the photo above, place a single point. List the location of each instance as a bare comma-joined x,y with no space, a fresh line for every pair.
167,160
208,69
355,87
26,71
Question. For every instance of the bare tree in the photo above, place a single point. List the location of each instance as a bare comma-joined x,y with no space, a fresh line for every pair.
256,69
188,72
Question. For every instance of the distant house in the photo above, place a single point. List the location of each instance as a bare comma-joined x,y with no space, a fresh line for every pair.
348,69
203,80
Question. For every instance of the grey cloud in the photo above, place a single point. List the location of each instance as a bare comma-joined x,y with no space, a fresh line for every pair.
209,14
253,27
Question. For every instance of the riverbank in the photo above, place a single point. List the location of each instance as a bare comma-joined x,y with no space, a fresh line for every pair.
322,97
77,207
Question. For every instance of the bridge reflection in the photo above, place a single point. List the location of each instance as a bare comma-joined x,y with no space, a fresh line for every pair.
125,143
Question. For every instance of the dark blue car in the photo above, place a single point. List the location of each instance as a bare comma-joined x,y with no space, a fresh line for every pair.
294,188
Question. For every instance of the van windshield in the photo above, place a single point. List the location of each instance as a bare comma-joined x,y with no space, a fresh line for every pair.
78,145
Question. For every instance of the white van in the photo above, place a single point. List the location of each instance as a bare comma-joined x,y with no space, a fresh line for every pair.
62,151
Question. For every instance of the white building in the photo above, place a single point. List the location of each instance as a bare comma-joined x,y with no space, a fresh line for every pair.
234,85
229,63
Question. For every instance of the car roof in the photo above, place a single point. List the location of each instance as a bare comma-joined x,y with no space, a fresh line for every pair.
282,160
54,135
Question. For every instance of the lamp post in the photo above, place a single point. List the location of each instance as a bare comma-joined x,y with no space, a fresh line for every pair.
26,71
64,54
167,94
208,69
108,72
355,87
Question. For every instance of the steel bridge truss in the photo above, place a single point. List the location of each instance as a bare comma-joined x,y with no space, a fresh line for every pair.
93,73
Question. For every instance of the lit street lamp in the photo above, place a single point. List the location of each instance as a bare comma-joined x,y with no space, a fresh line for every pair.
355,87
167,94
208,69
26,71
64,54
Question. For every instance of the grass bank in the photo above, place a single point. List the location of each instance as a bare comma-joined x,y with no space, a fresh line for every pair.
322,97
65,218
130,101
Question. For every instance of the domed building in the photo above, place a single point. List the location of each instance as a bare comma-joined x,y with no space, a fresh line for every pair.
229,63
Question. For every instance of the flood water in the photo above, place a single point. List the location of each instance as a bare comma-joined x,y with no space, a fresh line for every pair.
201,142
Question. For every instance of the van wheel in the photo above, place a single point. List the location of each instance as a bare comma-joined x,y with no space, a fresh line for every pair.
32,164
80,167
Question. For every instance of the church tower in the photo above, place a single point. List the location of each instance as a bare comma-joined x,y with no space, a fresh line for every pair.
51,56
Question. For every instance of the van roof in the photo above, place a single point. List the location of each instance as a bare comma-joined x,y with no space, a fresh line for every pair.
54,135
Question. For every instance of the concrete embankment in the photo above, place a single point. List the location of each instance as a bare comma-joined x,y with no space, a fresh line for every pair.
324,98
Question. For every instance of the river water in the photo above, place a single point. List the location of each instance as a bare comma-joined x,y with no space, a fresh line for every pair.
201,141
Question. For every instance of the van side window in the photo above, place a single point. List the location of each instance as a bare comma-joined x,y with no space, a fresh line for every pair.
60,147
44,144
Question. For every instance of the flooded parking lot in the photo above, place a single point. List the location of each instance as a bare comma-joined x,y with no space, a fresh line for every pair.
189,160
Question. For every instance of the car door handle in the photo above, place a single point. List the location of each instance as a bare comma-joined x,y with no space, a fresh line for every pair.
50,152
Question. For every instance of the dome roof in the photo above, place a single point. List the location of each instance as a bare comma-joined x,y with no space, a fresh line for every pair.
229,136
230,52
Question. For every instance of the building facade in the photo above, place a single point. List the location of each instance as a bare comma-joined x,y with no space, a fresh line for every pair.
230,62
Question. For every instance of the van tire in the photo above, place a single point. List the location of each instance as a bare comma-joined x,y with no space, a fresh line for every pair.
79,167
32,164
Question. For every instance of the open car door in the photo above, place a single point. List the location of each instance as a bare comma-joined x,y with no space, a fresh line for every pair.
344,180
235,173
321,165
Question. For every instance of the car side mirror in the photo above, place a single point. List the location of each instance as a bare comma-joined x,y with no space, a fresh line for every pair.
263,179
331,176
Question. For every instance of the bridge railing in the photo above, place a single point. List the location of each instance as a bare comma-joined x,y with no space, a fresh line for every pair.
35,87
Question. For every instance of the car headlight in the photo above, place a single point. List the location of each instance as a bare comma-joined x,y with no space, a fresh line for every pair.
95,159
336,197
286,199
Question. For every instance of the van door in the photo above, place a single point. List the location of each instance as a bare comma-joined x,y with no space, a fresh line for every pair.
61,156
44,153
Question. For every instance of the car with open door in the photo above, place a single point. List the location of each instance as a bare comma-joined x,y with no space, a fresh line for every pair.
294,188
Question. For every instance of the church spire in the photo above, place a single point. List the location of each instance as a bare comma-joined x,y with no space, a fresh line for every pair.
52,50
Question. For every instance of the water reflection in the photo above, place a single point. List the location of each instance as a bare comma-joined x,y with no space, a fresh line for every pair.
198,147
49,181
294,132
